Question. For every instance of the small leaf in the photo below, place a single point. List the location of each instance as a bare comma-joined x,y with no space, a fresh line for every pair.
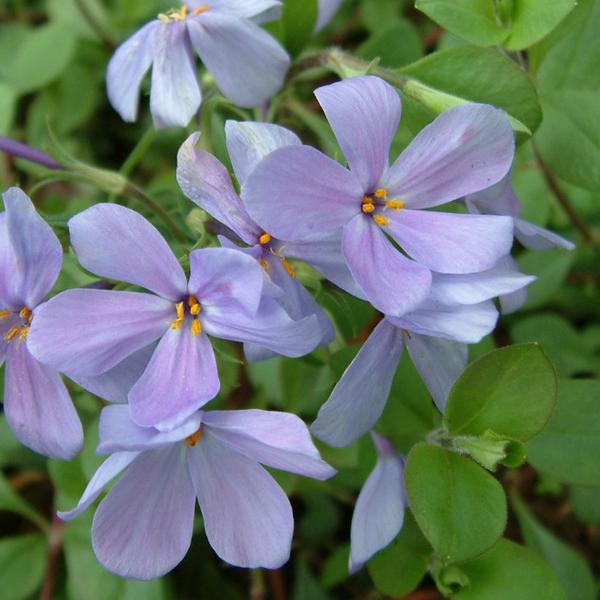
510,391
11,501
459,506
585,502
22,565
299,20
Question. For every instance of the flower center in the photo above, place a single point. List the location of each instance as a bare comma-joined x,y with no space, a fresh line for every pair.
182,13
192,440
264,239
21,329
370,204
193,309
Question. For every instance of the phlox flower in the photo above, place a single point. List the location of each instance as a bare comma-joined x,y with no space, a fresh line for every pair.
379,510
297,191
248,65
458,311
143,527
87,332
206,182
36,402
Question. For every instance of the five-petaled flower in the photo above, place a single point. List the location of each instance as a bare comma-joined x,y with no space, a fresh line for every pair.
87,332
246,62
297,191
36,402
143,528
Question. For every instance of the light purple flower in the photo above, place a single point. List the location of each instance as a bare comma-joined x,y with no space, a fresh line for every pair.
327,8
297,191
87,332
458,311
143,528
379,510
36,402
246,62
207,183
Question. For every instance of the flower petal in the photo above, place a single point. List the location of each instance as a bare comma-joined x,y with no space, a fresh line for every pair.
127,68
466,149
327,8
248,64
248,143
297,191
359,397
538,238
180,377
271,327
247,9
38,407
206,182
109,469
37,251
461,323
247,517
118,243
114,385
364,113
439,362
473,288
498,199
277,439
175,95
118,432
450,242
226,281
379,510
392,283
88,332
143,528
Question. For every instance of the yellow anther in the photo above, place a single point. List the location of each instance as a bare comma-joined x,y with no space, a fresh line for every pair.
192,440
23,334
12,333
289,269
192,301
184,11
368,207
176,324
180,309
381,220
196,327
4,314
264,264
380,193
395,204
265,238
198,11
195,309
24,313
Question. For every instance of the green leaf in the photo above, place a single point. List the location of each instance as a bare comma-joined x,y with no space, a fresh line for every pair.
41,57
306,586
299,20
509,572
531,20
571,569
566,447
459,506
22,565
480,75
473,20
396,45
550,267
510,391
398,569
11,501
8,103
560,341
585,502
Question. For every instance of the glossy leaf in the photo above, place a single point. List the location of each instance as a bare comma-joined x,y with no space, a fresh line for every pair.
299,19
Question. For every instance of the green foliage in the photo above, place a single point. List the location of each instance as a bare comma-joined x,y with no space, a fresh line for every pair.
299,20
22,564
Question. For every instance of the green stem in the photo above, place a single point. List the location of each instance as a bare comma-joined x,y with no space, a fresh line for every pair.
138,152
98,28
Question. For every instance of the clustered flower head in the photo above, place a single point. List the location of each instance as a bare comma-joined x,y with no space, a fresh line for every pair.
142,343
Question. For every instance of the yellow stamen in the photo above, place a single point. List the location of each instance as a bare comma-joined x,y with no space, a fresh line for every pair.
25,313
12,333
195,309
198,11
192,301
289,269
23,334
192,440
196,327
180,309
368,207
264,264
380,193
381,220
4,314
184,11
265,238
176,324
395,204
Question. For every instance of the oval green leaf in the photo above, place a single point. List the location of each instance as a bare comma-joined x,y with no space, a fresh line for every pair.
510,391
459,506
